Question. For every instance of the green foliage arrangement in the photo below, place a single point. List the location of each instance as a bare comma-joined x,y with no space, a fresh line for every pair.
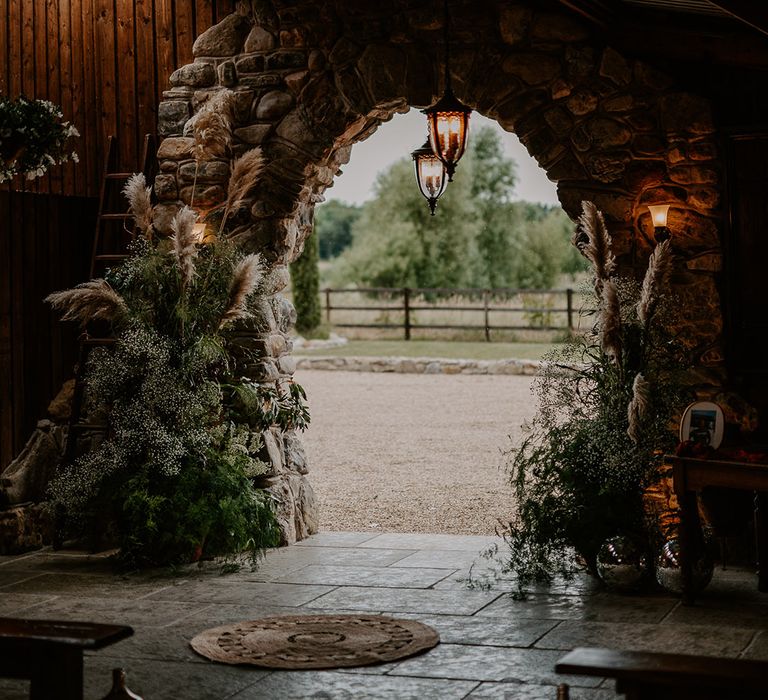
33,136
176,472
480,236
305,283
606,406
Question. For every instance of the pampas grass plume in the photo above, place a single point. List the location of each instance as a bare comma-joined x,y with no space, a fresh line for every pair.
139,201
638,406
656,280
598,248
88,302
184,242
610,321
212,127
245,279
245,173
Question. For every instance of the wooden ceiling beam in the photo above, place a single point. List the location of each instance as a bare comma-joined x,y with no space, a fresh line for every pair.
755,14
741,49
596,11
696,39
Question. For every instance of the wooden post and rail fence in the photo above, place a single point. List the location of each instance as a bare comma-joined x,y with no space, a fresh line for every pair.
409,302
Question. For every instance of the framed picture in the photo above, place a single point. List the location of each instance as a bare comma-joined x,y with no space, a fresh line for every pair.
703,423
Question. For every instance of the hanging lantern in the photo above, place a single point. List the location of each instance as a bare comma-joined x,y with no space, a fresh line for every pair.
430,174
448,122
448,118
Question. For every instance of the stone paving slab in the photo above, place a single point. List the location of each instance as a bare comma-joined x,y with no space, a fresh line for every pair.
488,663
398,540
721,611
530,691
152,613
330,685
733,584
14,604
758,649
11,576
169,643
475,579
336,556
407,600
389,577
482,631
600,607
337,539
223,613
480,575
443,559
125,587
155,679
58,562
240,592
670,639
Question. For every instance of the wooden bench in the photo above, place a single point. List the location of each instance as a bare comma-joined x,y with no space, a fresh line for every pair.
50,653
648,676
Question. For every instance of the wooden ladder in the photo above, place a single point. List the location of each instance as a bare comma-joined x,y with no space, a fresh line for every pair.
110,243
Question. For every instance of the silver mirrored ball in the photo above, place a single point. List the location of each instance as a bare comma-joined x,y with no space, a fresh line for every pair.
622,565
669,574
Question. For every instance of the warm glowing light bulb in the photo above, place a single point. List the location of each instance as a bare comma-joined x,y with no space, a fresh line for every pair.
199,230
659,214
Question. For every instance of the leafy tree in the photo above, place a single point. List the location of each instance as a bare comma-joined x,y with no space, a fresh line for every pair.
543,248
397,243
493,182
333,227
305,281
480,237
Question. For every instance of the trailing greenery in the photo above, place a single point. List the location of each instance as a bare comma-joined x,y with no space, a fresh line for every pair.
606,407
480,236
305,283
33,136
176,472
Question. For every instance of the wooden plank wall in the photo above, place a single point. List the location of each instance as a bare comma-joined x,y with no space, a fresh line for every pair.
44,245
106,62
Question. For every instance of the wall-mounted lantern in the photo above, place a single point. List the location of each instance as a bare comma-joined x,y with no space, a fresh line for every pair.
199,230
659,217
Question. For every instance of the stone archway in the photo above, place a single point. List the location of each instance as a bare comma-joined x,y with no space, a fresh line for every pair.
311,79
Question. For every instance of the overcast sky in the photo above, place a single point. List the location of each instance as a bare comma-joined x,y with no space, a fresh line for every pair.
405,132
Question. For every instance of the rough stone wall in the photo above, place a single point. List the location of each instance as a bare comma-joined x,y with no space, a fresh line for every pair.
311,79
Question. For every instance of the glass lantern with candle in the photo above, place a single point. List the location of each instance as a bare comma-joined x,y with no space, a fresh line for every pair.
430,174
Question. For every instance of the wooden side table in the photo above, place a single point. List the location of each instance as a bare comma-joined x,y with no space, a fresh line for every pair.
690,476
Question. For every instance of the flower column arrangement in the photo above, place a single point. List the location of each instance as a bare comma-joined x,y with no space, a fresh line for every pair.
176,473
607,407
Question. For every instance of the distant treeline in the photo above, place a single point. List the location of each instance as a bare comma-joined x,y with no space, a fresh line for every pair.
480,236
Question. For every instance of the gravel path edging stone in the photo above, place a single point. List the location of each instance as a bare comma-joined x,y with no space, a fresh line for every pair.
419,365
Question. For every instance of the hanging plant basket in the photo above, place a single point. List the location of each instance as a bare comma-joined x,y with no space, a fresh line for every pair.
33,137
12,150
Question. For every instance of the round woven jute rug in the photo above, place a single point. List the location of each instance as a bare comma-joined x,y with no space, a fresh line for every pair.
315,641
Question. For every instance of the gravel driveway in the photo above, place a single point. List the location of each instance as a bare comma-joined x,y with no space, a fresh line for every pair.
412,452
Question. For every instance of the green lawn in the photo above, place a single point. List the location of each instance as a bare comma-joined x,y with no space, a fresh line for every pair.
436,348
